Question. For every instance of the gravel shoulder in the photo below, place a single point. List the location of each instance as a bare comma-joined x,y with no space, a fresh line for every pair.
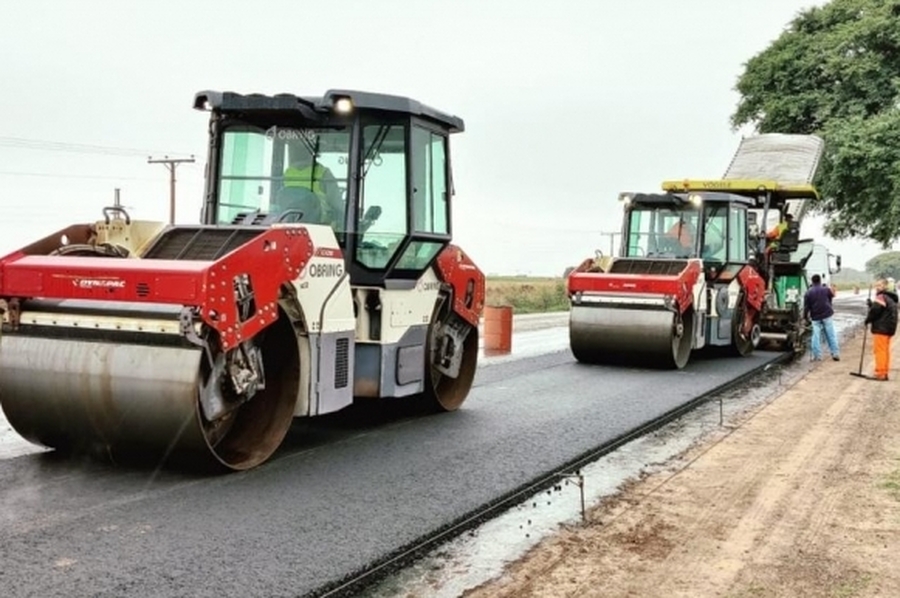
800,497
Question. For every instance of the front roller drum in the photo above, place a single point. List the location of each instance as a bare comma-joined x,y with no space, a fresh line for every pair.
654,338
141,402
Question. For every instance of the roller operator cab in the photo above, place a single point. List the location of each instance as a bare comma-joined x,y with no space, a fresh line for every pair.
682,281
322,271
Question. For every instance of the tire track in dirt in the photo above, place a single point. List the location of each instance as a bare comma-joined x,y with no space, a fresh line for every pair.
787,495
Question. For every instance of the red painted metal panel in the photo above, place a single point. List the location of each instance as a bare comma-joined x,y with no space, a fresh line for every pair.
754,286
31,283
271,259
598,282
457,269
62,277
175,288
689,277
332,252
679,286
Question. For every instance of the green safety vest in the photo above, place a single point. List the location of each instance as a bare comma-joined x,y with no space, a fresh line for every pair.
306,177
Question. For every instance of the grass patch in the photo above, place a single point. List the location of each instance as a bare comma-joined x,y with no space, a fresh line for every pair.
527,295
753,591
892,484
852,587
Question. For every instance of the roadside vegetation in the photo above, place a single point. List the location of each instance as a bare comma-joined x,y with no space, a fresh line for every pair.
849,279
833,72
892,483
527,295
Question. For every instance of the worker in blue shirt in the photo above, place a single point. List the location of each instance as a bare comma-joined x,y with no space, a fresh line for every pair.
818,310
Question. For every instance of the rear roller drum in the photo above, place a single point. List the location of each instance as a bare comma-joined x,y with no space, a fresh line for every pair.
745,334
452,354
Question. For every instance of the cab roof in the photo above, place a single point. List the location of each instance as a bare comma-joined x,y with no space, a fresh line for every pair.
312,107
681,199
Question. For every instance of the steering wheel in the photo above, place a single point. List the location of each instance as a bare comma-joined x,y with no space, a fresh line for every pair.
290,215
667,245
372,246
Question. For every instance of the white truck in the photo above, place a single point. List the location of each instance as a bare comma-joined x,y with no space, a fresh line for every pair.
822,262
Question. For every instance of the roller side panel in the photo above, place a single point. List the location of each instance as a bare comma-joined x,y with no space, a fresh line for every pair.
455,268
271,259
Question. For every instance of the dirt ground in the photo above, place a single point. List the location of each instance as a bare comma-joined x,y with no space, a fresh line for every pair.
799,497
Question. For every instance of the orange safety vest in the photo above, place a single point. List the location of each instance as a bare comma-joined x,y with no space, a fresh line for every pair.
773,238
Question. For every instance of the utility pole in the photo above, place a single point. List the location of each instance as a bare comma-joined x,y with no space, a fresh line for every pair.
612,240
171,164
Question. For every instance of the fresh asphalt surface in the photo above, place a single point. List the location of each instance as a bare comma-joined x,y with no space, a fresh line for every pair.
342,492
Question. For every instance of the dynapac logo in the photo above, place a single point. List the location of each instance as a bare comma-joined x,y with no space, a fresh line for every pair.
98,283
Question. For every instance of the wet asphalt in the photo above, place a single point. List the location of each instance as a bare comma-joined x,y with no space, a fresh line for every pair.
343,491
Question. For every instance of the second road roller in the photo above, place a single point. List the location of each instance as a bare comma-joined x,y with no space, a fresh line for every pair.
322,272
695,270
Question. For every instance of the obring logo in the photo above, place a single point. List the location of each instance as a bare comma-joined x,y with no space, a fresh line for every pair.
273,133
326,270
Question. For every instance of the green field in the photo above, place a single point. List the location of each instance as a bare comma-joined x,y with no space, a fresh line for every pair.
527,294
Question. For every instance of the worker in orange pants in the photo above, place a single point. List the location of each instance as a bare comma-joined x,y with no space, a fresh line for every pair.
882,318
882,349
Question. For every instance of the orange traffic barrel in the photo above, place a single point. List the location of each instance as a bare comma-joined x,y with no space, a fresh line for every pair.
498,328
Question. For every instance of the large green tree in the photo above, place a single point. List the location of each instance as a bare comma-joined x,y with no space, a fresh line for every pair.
885,265
835,72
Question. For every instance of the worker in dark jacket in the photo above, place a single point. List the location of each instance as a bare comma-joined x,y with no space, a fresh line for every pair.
818,310
882,318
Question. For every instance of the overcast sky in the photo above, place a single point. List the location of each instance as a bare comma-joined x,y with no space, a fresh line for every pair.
566,103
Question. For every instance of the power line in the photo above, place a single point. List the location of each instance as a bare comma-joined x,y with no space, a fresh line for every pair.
171,164
79,148
75,176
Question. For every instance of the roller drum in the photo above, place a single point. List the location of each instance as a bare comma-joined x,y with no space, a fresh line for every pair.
66,393
629,336
136,401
